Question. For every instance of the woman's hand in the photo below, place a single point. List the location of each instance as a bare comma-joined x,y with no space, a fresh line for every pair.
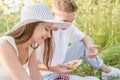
61,69
73,64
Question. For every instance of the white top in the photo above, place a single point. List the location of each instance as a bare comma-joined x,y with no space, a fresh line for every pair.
3,72
62,39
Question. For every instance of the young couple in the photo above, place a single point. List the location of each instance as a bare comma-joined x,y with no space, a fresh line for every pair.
30,44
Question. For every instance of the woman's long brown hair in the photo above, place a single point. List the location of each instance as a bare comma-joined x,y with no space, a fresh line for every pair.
48,51
24,33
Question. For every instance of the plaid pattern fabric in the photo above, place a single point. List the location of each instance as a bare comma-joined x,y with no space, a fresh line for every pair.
63,77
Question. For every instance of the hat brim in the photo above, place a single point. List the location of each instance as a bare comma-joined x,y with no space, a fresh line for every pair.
58,24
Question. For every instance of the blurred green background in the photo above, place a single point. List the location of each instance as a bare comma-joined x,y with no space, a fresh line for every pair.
99,19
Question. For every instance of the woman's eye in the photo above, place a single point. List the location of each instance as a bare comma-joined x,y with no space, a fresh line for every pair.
48,28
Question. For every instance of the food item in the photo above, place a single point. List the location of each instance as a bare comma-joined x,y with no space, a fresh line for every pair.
73,64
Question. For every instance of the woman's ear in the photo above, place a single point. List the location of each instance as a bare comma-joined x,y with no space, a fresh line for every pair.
35,45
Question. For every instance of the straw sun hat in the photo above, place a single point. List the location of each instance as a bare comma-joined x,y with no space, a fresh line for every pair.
37,12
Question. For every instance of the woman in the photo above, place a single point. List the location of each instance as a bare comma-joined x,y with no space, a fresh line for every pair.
17,47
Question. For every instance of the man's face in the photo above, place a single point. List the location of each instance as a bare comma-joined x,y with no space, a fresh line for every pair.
64,16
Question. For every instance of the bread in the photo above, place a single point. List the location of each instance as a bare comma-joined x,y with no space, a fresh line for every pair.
73,64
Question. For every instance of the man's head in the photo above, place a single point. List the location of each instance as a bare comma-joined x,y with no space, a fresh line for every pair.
64,10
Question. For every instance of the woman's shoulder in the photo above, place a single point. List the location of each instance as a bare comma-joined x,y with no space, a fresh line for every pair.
8,43
7,39
4,44
4,40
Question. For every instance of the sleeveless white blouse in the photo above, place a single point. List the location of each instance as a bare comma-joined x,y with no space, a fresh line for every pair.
3,73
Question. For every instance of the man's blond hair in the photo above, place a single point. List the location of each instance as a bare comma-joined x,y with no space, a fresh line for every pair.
65,5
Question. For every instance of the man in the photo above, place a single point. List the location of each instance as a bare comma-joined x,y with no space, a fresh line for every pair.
82,46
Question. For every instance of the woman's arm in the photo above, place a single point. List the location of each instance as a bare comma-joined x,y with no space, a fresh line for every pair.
10,61
56,69
33,67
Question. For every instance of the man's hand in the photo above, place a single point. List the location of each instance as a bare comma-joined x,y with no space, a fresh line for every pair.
93,51
92,48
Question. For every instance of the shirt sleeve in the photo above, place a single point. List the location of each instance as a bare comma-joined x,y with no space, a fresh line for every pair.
75,34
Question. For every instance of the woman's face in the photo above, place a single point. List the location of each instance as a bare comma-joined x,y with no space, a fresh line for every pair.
42,32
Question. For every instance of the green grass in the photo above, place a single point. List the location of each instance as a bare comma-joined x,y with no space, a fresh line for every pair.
100,21
7,21
111,57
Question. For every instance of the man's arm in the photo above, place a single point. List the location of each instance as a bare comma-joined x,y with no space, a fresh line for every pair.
88,41
92,48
